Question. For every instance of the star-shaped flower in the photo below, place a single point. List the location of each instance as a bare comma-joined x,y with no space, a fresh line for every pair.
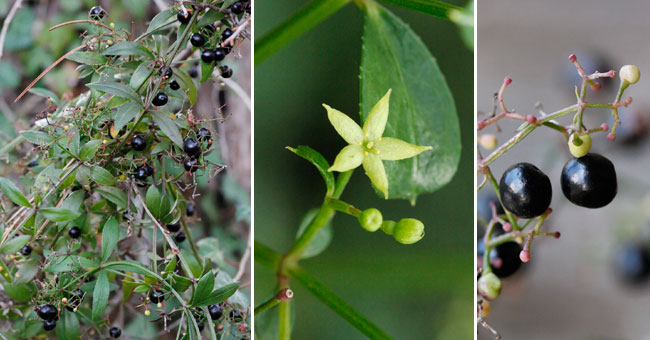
367,146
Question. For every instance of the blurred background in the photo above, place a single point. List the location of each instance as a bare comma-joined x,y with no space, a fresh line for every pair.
572,288
422,291
222,223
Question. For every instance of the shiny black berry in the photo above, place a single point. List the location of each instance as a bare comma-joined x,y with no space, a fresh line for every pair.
204,134
96,13
157,296
115,332
183,17
237,7
139,143
191,164
633,263
227,33
215,312
201,326
589,181
75,299
74,232
174,85
191,147
248,8
207,56
47,312
174,227
141,174
26,250
149,169
180,237
160,99
197,39
166,72
226,71
236,316
219,54
525,190
32,164
505,259
190,210
49,325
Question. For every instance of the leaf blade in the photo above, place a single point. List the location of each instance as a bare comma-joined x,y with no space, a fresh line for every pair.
116,89
110,236
168,126
100,295
13,193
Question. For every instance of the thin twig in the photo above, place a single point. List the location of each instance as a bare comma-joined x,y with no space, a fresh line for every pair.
5,25
238,31
243,262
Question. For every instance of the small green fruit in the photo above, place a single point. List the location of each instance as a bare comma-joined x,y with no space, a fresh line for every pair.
489,286
371,219
583,148
408,231
630,73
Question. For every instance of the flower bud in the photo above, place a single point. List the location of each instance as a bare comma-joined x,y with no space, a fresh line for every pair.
408,231
630,73
489,286
488,141
371,219
579,146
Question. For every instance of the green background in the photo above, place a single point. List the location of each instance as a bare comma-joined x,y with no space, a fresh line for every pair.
422,291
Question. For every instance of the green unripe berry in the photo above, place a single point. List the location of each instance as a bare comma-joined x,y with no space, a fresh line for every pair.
630,73
489,286
388,227
408,231
371,219
579,146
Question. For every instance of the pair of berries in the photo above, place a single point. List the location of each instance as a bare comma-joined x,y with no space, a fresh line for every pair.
49,314
193,149
588,181
143,172
174,228
75,300
217,54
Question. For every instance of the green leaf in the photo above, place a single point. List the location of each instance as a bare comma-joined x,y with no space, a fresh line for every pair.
110,237
59,214
206,70
210,17
168,126
203,288
46,93
19,33
88,58
13,193
140,75
422,110
127,48
126,113
187,84
127,289
9,76
19,293
436,8
160,20
102,176
321,240
181,284
114,195
116,89
152,200
14,244
100,294
62,264
68,327
27,271
219,295
37,137
315,158
141,289
89,149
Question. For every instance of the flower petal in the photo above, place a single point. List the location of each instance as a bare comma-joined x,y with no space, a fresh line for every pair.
375,171
344,125
393,149
349,158
375,124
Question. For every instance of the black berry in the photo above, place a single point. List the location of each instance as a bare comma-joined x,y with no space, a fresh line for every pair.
47,312
219,54
180,237
141,174
190,209
26,250
49,325
115,332
174,227
204,134
215,312
633,264
236,316
589,181
197,39
166,72
183,17
160,99
207,56
149,169
226,71
505,259
248,8
191,164
74,232
139,143
96,13
237,7
75,300
32,164
157,296
174,85
210,29
194,71
525,190
191,147
201,326
227,33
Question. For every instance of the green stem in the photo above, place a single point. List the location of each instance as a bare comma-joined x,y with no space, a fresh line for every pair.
326,296
284,316
11,145
438,9
267,256
301,22
342,206
270,303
